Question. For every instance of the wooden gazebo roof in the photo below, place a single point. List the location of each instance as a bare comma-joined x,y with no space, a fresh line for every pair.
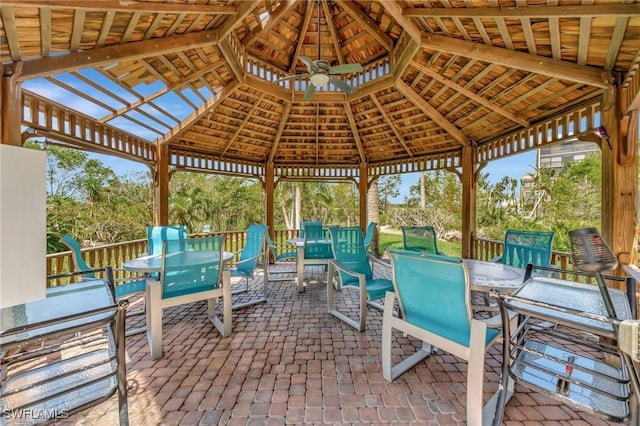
198,76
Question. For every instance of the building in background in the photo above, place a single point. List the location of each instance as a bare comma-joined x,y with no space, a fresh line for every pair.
557,155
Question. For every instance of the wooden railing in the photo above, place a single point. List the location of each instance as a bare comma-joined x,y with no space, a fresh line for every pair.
116,254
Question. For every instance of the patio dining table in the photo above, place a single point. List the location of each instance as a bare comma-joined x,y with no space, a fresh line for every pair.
485,276
302,261
151,263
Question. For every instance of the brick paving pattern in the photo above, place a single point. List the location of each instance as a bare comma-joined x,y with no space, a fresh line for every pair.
289,362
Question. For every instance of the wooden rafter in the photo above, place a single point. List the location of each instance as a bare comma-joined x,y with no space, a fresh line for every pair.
391,125
241,126
116,53
471,95
128,6
435,115
616,42
281,126
393,8
524,61
355,132
366,22
305,26
201,111
332,31
578,11
245,8
273,19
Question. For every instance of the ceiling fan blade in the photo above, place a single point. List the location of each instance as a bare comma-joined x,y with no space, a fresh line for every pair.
342,86
311,65
311,90
345,69
291,77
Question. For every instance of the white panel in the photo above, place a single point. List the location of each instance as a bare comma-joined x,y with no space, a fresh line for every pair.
23,244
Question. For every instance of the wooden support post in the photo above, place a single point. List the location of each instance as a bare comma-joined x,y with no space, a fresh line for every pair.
363,188
161,187
10,110
619,181
269,189
468,201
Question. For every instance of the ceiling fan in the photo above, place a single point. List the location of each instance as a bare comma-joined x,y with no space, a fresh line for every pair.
321,72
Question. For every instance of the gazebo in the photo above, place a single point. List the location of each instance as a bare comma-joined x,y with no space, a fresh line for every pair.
442,84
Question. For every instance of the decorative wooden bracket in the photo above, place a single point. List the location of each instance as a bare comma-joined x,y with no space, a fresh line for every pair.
628,138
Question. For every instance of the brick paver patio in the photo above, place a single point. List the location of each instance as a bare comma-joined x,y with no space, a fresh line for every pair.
289,362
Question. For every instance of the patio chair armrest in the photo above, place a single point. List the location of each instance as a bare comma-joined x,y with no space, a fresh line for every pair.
496,259
379,261
344,268
250,259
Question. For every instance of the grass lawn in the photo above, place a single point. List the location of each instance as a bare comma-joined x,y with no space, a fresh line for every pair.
395,241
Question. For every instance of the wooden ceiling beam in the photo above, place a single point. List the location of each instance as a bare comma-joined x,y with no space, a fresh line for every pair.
245,8
393,8
524,61
578,11
469,94
355,132
367,23
200,112
391,125
128,6
273,19
332,30
305,26
117,53
433,113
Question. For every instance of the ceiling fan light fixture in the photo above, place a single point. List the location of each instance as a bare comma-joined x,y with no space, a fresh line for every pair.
319,80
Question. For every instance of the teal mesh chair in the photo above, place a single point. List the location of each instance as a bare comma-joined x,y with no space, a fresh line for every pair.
315,245
192,270
156,235
421,239
433,296
351,262
245,267
281,255
124,287
526,247
304,223
368,236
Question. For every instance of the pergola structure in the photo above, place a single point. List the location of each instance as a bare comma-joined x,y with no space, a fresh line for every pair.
445,84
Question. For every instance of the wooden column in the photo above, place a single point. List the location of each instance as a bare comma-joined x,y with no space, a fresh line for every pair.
161,186
363,188
468,201
10,110
269,189
619,180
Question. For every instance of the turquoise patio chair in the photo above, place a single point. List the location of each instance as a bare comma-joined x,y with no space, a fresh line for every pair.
526,247
192,270
421,239
156,235
433,295
368,236
352,264
313,247
304,223
124,287
281,256
246,266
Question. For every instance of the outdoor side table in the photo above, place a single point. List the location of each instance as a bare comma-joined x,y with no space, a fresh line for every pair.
62,354
564,363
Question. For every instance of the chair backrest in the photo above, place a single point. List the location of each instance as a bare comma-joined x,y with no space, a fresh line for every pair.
524,247
347,244
76,254
253,246
433,293
304,223
368,237
420,238
191,265
313,231
156,235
